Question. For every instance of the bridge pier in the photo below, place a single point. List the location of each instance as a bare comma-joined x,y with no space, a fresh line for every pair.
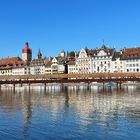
29,87
103,86
88,86
62,86
45,87
21,84
119,85
14,88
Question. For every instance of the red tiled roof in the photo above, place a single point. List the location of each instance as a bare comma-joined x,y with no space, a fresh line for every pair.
37,62
71,62
131,53
13,62
10,61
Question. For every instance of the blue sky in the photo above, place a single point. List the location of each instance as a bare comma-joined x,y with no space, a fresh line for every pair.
53,25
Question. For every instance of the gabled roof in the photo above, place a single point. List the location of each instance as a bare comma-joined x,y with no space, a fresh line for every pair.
131,53
35,62
116,55
94,52
90,52
10,60
60,60
107,50
48,64
71,62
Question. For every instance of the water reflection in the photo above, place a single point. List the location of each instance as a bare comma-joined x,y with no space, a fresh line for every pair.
70,113
27,111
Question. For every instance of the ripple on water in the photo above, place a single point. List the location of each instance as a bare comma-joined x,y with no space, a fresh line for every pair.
78,114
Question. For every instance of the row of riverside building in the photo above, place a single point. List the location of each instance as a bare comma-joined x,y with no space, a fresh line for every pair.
100,60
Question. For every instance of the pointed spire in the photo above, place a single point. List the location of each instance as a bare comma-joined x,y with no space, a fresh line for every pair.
86,48
27,45
67,53
104,46
103,41
39,54
62,54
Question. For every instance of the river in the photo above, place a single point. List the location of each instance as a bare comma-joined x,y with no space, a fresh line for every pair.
94,114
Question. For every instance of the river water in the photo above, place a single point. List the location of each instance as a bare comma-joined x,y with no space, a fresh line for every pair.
94,114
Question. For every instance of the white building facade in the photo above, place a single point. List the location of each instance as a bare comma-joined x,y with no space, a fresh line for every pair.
102,60
93,61
131,58
55,65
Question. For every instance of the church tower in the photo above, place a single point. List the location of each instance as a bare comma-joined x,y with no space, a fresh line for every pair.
62,54
39,54
26,53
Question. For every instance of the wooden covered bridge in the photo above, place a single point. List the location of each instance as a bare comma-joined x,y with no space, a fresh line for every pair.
118,78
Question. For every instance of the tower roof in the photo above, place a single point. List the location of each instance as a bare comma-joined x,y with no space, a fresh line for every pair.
39,54
26,49
62,51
